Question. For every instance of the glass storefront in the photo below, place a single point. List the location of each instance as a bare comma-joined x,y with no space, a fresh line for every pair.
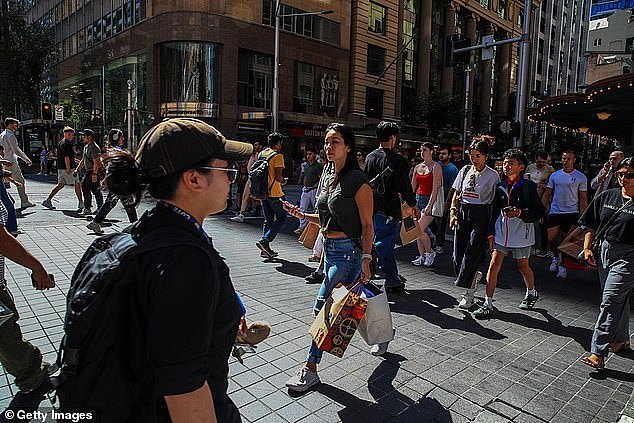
189,79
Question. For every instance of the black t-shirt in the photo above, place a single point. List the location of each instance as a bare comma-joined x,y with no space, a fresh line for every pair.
338,209
600,212
184,322
398,183
65,149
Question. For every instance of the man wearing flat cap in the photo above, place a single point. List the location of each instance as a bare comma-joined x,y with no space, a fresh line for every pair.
12,151
185,309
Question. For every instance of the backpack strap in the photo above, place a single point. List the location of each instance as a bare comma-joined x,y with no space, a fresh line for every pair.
268,158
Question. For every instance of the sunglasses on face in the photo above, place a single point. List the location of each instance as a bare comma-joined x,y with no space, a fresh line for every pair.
232,171
625,175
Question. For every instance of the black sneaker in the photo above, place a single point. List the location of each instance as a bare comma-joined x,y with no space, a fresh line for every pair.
483,313
27,401
266,250
314,278
528,302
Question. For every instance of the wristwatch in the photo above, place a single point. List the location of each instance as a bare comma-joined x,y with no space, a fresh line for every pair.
366,257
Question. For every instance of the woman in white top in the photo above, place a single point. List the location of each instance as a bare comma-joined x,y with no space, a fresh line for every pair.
426,183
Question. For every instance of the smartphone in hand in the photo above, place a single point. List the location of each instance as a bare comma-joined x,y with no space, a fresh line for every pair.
51,277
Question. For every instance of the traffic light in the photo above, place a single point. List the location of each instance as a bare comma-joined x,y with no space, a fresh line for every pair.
47,111
455,42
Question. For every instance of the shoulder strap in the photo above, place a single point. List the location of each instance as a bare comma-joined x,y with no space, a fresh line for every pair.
601,232
464,175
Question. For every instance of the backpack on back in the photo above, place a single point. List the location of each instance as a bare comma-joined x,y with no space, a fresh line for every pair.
96,374
259,176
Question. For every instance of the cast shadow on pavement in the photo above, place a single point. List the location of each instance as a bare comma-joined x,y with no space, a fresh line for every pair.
552,325
291,268
388,401
428,305
612,374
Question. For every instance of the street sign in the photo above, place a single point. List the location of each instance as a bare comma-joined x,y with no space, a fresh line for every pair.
59,112
505,127
487,52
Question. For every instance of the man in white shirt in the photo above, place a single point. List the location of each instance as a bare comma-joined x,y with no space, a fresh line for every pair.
565,197
606,179
12,151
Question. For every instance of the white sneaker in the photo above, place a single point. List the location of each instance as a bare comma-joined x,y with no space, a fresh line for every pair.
554,265
429,259
95,227
562,273
467,301
303,380
418,261
238,218
380,349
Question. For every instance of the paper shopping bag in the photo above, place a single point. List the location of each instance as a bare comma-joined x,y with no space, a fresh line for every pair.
338,320
376,325
572,244
309,235
410,230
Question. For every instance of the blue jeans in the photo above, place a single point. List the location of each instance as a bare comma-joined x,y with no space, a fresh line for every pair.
274,218
386,232
342,263
616,274
12,221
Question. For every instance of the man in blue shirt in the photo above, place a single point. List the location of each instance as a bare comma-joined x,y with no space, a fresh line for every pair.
449,173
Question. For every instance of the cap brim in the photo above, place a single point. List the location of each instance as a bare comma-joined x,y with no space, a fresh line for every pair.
236,151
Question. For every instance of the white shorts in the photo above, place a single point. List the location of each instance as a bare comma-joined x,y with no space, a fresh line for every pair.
66,178
518,252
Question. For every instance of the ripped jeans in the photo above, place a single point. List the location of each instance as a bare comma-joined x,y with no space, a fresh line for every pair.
342,263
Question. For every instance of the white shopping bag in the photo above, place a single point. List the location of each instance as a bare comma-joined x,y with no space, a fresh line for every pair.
376,325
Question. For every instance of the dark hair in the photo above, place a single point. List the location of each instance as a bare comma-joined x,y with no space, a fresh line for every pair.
384,130
1,148
517,154
8,121
274,138
428,145
114,136
122,173
627,162
541,155
350,141
481,146
311,149
443,147
569,151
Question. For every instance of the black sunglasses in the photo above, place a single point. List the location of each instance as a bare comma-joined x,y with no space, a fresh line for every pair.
626,175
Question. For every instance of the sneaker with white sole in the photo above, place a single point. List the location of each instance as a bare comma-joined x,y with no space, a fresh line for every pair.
562,273
80,207
86,212
237,218
429,259
303,380
47,203
380,349
95,227
418,261
554,265
467,301
26,205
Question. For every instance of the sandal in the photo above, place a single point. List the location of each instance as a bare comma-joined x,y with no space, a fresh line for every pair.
595,361
619,346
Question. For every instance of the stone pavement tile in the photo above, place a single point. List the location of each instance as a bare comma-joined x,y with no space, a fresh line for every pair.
544,406
595,392
293,412
315,400
537,380
518,395
419,385
394,403
254,411
443,397
246,379
242,398
494,384
611,410
478,397
262,388
583,404
504,409
487,416
466,408
572,411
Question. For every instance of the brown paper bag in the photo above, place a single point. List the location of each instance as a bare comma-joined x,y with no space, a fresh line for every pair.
572,244
309,235
410,230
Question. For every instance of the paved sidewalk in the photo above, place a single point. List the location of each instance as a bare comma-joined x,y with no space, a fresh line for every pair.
443,365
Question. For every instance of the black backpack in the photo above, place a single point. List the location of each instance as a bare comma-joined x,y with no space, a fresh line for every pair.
96,374
259,176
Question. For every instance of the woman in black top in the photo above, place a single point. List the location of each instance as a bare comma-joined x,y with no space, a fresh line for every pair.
344,205
609,221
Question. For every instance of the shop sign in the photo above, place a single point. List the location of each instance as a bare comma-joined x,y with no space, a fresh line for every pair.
308,133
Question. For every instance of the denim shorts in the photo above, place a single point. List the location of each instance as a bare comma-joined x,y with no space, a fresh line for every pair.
422,200
518,253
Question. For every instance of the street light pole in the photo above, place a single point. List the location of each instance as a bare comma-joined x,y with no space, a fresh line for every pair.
275,109
522,91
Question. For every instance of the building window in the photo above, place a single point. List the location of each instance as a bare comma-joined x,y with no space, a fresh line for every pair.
378,15
96,31
373,102
117,21
304,88
255,79
376,60
484,3
629,45
502,9
597,42
107,26
311,26
127,15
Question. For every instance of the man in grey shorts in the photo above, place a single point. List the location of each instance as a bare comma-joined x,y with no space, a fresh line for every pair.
516,206
65,167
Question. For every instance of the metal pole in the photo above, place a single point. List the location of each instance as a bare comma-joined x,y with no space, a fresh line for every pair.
467,73
276,93
522,97
129,113
103,97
